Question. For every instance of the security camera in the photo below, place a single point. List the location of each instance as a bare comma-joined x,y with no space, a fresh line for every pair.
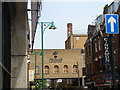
28,61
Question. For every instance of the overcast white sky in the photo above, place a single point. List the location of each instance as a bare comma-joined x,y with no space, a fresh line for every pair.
80,13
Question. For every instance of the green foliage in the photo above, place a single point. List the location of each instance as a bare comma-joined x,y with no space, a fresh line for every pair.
38,83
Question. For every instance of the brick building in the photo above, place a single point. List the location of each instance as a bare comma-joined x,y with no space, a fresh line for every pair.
74,41
101,68
59,64
89,56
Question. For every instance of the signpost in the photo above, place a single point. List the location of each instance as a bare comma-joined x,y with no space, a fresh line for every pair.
112,27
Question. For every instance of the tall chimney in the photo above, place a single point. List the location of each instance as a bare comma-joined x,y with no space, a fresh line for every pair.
69,29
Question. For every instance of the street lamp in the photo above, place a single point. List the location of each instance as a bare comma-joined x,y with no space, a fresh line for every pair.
44,25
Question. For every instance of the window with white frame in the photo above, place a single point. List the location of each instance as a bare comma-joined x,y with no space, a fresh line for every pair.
99,44
95,46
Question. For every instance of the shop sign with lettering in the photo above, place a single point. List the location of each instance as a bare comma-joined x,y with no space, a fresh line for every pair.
106,52
55,60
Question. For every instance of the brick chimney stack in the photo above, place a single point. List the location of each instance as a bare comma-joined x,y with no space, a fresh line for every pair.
69,29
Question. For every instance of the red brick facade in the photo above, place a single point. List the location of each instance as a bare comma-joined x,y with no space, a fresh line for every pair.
98,69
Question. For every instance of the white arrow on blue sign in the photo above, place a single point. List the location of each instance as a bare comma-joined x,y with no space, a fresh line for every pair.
112,23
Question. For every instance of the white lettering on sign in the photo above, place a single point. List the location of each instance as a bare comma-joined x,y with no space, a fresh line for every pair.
54,60
106,50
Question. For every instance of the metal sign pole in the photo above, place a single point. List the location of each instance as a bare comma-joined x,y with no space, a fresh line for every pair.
112,61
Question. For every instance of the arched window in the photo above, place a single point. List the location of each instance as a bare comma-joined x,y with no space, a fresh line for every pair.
56,69
46,69
37,70
65,70
75,69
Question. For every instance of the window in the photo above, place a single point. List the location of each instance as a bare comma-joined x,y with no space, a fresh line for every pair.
87,69
95,46
46,69
90,67
100,60
65,69
96,59
77,38
84,71
82,50
56,69
99,43
75,68
86,51
37,70
89,50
